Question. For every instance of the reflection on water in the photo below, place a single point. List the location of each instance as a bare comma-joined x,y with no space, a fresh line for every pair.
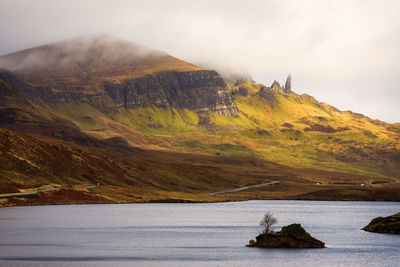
192,234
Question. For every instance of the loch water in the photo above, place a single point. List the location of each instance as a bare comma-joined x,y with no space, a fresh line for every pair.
212,234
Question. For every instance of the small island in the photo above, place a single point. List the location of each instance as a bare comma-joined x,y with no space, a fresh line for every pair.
388,225
290,236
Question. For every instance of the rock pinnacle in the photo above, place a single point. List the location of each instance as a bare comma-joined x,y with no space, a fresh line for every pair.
288,84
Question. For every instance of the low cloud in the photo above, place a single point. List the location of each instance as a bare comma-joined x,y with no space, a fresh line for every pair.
95,50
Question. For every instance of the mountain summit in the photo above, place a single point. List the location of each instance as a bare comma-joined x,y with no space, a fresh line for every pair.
120,72
81,64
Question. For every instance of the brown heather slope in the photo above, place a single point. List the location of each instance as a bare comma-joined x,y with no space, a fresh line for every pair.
31,162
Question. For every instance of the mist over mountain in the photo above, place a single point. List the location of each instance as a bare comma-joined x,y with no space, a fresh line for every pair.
84,62
335,50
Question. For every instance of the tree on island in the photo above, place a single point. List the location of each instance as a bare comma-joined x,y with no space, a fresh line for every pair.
290,236
267,222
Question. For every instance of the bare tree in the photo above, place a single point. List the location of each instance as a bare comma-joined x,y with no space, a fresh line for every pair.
267,221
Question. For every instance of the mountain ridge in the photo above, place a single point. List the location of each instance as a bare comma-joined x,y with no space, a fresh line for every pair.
152,109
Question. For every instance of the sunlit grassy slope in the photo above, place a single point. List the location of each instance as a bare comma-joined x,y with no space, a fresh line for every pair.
285,128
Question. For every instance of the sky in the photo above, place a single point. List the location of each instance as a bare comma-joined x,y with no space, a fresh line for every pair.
345,53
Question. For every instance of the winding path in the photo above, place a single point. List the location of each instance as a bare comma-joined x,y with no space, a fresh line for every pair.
22,194
242,188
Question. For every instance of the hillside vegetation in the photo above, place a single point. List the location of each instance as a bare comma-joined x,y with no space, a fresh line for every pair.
283,127
150,127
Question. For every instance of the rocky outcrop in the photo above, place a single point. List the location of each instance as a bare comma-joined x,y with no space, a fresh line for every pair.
276,87
291,236
288,84
243,91
203,91
324,129
389,225
270,93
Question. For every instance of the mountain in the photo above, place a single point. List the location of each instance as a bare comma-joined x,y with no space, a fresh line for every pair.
82,64
113,106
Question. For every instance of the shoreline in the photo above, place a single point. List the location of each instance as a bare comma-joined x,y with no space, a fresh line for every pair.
272,190
183,201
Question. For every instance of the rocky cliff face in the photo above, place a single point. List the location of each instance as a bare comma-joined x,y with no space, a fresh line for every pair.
203,91
107,72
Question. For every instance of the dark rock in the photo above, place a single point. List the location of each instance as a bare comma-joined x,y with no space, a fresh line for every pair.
263,132
267,93
389,225
290,131
276,86
203,91
288,125
324,129
288,84
291,236
243,91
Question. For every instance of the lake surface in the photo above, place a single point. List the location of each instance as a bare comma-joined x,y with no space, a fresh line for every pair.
192,234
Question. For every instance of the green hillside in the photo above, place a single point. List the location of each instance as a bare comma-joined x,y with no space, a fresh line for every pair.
286,128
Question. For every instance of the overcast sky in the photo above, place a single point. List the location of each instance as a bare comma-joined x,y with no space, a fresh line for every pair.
345,53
